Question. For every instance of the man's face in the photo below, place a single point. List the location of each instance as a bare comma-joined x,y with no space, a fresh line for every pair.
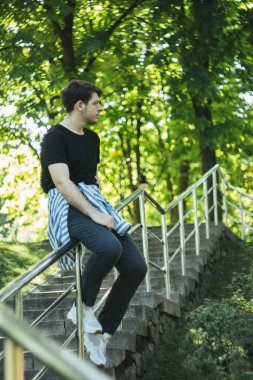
92,110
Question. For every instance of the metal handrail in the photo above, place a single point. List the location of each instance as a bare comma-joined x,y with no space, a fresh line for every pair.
135,195
132,197
142,196
34,271
11,289
239,191
65,364
23,280
53,305
189,189
155,204
239,207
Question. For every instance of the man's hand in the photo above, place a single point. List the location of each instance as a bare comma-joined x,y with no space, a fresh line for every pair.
103,219
60,177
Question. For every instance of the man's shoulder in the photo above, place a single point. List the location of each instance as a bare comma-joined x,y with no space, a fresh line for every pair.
53,132
53,136
92,134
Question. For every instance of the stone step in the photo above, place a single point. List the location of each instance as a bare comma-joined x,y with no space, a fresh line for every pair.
49,290
58,314
190,253
142,318
153,300
175,236
43,303
134,325
143,312
61,329
121,342
191,270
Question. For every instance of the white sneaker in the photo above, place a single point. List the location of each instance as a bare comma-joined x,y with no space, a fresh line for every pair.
72,314
96,347
90,322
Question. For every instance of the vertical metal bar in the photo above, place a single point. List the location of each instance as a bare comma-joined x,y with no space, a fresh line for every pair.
206,208
166,255
13,361
215,198
79,303
145,239
242,217
196,222
19,304
182,235
14,354
224,188
115,276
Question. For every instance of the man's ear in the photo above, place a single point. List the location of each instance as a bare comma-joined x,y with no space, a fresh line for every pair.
80,105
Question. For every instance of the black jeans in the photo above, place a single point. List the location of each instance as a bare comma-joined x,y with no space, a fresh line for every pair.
108,250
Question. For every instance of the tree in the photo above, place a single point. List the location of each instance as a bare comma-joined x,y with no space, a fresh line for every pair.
172,74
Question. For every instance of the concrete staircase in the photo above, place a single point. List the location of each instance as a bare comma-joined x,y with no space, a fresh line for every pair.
149,315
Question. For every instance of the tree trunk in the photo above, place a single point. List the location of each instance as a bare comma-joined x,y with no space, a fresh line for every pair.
65,34
184,177
174,211
126,149
208,156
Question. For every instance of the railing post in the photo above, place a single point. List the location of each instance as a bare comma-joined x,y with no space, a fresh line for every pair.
166,255
13,361
242,217
225,200
182,235
79,302
145,239
19,304
206,208
215,198
196,222
14,354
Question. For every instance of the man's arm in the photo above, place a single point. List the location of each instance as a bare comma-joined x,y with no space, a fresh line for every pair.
60,177
97,179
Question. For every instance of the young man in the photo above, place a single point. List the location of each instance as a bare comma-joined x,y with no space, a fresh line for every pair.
69,158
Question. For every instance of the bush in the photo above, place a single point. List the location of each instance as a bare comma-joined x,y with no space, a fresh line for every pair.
219,341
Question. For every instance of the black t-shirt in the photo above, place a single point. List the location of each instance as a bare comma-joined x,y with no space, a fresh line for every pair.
79,152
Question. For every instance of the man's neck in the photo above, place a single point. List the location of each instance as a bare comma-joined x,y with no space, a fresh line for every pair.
74,124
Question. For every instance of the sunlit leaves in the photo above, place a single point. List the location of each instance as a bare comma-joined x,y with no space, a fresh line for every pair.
163,67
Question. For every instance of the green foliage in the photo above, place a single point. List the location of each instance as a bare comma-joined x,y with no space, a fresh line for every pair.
241,285
174,77
216,340
17,258
23,211
221,335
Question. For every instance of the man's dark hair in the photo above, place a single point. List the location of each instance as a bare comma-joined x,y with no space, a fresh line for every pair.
78,90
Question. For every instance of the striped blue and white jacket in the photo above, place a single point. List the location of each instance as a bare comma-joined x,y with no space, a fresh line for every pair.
58,219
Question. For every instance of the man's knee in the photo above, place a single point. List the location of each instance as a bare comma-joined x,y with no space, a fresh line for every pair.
112,250
141,269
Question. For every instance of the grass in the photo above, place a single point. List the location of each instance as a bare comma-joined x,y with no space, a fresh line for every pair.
168,360
17,258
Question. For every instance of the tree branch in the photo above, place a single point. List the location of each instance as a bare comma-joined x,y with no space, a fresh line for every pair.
5,48
110,31
66,37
